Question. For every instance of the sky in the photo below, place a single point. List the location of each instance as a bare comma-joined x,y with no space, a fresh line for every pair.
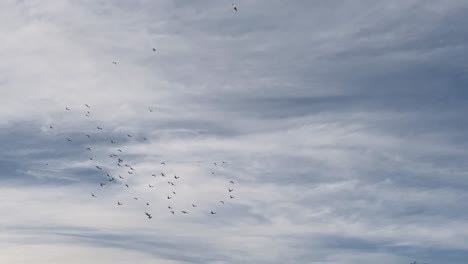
341,123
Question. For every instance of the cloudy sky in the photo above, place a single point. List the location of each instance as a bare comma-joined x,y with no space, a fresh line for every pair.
342,123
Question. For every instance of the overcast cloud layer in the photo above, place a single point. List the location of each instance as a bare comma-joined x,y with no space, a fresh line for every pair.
343,125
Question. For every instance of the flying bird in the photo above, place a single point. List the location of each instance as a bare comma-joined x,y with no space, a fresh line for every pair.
69,140
102,184
154,49
88,135
221,202
162,174
215,164
149,215
119,203
87,105
151,186
184,212
194,205
112,141
147,203
231,182
88,149
173,192
231,196
163,163
121,177
99,168
129,135
126,185
213,213
115,63
51,127
135,198
90,158
234,7
119,150
66,108
230,190
92,194
172,212
175,177
170,207
100,128
168,197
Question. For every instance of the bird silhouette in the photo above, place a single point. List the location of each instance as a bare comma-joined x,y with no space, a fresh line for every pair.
147,203
149,215
102,184
221,202
168,197
119,150
88,135
98,127
99,168
163,163
154,49
69,140
129,135
176,177
230,190
66,108
231,182
115,63
234,7
92,194
170,207
162,174
88,149
213,213
126,185
194,205
135,198
184,212
173,212
87,105
230,196
121,177
119,203
151,186
51,127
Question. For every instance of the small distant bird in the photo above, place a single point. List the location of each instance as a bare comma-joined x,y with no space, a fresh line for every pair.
129,135
231,182
173,192
135,198
66,108
88,149
69,140
92,194
149,215
172,212
112,141
51,127
213,173
147,203
87,105
224,162
154,175
234,7
102,184
121,177
184,212
126,185
194,205
215,164
99,168
111,179
170,207
90,158
154,49
221,202
132,168
47,164
129,172
230,190
119,150
119,203
163,163
115,63
88,135
231,196
175,177
213,213
168,197
162,174
100,128
151,186
118,164
108,175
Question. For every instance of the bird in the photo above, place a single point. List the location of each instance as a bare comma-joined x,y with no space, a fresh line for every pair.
194,205
132,168
221,202
115,63
92,194
147,203
99,168
90,158
176,177
69,140
224,162
51,127
215,164
154,49
230,190
88,135
66,108
135,198
126,185
230,196
151,186
184,212
112,141
231,182
100,128
154,175
213,213
170,207
87,105
88,149
102,184
121,177
172,212
173,192
163,163
149,215
234,7
119,203
162,174
168,197
119,150
129,135
129,172
213,173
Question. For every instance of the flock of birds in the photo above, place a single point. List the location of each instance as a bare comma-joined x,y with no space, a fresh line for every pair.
130,170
